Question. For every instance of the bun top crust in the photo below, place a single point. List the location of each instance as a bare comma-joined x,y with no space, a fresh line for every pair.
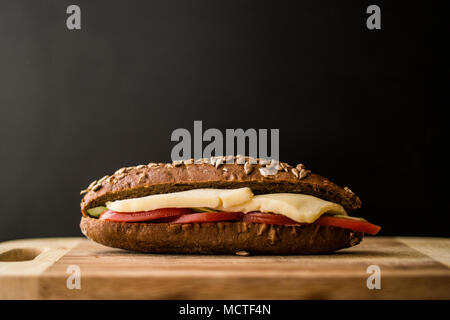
156,178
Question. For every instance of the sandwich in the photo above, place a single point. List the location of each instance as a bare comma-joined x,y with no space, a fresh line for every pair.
221,205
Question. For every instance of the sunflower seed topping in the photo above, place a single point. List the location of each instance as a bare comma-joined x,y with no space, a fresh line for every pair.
140,166
265,172
303,173
120,176
102,179
219,161
92,184
177,163
120,171
286,167
240,159
295,172
347,189
96,187
248,168
189,161
252,160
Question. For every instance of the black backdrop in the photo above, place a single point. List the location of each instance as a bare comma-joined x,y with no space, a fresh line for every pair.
354,105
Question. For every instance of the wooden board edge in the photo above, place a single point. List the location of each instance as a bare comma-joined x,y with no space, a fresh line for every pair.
25,260
437,249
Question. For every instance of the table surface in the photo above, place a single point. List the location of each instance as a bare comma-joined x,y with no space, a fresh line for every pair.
409,268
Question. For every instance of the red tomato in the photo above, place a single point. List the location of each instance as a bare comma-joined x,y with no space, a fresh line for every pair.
269,218
185,215
143,215
208,217
362,226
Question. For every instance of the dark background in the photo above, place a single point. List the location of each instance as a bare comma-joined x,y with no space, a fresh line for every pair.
359,106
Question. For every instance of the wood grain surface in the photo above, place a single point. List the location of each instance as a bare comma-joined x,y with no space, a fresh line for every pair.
411,268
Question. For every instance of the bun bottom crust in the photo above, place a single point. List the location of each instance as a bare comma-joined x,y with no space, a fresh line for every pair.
219,237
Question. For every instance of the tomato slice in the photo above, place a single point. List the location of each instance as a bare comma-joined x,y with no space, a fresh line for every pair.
362,226
269,218
208,217
185,215
143,215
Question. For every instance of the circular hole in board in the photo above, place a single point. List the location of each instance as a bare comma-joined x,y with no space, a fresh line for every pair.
20,254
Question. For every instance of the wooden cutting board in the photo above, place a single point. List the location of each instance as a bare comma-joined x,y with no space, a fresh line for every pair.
411,268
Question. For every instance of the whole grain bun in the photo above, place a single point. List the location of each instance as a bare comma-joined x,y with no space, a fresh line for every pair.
155,178
219,237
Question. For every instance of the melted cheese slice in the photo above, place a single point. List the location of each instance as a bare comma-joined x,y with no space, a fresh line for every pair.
209,198
298,207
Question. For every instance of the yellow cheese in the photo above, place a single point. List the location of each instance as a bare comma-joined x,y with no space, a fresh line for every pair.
298,207
209,198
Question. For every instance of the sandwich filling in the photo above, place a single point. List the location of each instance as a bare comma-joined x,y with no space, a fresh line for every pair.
213,205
